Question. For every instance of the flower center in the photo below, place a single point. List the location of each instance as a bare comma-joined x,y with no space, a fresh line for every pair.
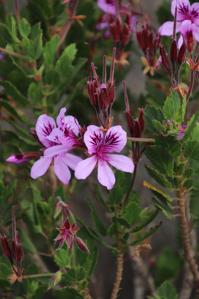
188,14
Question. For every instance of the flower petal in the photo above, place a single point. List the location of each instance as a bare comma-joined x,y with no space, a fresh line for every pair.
92,138
71,160
72,124
85,167
44,127
115,139
105,175
166,28
61,170
57,150
40,167
106,7
180,4
60,117
121,162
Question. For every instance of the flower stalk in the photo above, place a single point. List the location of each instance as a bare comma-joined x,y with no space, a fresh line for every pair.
185,234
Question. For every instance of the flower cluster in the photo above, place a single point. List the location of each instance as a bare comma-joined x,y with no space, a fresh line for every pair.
187,22
117,21
63,136
149,41
68,231
13,251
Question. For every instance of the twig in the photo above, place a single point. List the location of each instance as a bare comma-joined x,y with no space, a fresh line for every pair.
40,275
87,294
185,234
118,277
144,140
143,271
14,54
124,201
68,24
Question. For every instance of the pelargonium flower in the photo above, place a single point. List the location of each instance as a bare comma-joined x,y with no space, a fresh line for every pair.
58,140
108,22
67,234
187,20
102,147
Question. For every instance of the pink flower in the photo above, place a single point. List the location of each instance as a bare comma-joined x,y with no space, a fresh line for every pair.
67,234
187,20
107,6
101,146
58,140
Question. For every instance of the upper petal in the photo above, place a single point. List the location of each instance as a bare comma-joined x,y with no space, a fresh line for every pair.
85,167
180,5
71,160
61,170
72,124
121,162
92,138
40,167
115,139
105,175
44,126
60,117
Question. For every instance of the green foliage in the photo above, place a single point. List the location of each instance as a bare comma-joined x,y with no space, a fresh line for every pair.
166,291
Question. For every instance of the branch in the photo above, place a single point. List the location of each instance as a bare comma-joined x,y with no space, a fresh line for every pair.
185,235
68,24
118,277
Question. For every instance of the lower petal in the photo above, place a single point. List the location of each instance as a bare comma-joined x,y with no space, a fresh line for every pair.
121,162
56,150
166,29
85,167
71,160
61,170
105,176
40,167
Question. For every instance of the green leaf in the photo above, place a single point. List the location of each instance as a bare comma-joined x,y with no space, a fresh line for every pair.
132,210
159,177
62,258
64,63
168,265
67,294
12,91
24,27
34,93
174,108
10,109
49,51
100,228
191,125
12,28
166,291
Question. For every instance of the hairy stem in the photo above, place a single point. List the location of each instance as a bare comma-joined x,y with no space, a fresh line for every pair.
68,24
40,275
186,236
87,294
118,277
142,270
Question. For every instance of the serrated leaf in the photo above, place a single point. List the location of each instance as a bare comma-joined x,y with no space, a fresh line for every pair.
12,91
174,108
50,49
24,27
166,291
64,63
62,258
132,210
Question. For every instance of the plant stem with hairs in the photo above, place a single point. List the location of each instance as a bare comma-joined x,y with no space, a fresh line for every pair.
68,24
185,234
119,273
